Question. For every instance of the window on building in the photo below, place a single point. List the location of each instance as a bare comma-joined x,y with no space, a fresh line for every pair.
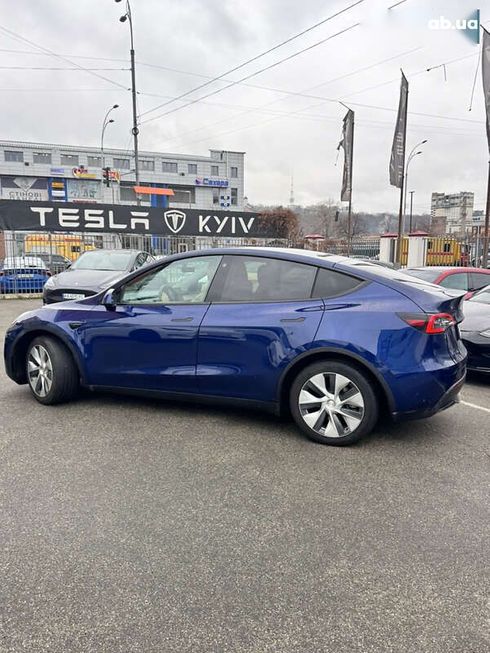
169,166
183,195
147,164
127,193
216,192
41,157
215,170
121,164
69,159
11,156
233,172
234,196
192,168
94,161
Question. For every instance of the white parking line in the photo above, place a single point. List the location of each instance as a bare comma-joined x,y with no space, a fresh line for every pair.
467,403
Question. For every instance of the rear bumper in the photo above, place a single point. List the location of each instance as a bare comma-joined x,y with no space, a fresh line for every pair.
448,399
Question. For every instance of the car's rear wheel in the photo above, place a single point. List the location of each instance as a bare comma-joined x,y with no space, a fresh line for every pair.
333,403
51,371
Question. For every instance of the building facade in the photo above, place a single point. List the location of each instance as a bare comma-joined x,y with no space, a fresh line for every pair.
455,211
48,172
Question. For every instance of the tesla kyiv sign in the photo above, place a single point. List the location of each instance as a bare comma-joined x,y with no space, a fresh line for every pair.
55,216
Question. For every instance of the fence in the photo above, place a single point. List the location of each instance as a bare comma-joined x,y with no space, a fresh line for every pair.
30,258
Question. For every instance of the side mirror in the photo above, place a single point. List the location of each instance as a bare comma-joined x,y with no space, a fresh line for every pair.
109,300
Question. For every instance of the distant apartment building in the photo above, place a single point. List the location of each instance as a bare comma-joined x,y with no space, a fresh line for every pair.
452,214
66,173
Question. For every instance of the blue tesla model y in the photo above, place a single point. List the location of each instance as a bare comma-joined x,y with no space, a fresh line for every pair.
336,342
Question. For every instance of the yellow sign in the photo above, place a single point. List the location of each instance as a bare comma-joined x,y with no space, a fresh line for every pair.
83,173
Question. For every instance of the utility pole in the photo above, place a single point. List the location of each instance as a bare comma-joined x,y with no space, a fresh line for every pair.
135,130
411,208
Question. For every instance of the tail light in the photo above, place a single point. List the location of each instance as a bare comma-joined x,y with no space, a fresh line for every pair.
429,323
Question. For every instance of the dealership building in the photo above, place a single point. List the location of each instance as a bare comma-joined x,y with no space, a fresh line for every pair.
65,173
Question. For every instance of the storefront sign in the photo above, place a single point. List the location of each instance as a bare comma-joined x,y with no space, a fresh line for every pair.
205,181
80,190
51,216
57,171
83,173
32,189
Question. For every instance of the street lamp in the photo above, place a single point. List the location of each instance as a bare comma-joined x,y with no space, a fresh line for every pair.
412,154
107,121
135,131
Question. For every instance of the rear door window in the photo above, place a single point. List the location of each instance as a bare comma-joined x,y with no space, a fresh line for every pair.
458,281
259,279
479,280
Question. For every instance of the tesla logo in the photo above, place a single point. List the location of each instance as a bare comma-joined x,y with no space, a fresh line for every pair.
175,220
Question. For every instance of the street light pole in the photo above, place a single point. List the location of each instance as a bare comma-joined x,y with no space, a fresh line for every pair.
412,154
135,131
411,207
107,121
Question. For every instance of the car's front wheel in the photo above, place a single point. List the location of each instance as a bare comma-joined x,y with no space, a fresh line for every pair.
333,403
51,371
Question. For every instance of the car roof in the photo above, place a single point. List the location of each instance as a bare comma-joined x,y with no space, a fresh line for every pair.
109,251
449,268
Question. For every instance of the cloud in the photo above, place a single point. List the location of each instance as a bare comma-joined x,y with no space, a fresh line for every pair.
280,133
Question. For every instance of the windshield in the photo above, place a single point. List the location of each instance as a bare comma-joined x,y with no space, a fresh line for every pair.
482,296
103,260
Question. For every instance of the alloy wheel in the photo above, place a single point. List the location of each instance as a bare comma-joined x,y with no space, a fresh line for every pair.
40,371
331,404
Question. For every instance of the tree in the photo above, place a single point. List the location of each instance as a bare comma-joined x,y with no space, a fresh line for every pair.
284,222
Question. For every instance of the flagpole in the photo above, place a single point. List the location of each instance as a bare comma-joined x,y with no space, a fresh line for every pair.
402,194
486,239
349,215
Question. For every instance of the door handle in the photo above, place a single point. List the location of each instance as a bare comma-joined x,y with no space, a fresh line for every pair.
293,319
182,319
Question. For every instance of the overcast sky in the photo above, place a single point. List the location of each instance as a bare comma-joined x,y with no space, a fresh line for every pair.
180,44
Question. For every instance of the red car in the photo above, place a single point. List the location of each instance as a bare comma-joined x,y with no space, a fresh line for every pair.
469,279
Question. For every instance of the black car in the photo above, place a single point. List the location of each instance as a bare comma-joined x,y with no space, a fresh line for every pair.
475,330
92,272
55,263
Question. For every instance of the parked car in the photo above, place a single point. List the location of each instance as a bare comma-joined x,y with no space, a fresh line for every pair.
475,330
334,341
23,274
92,272
55,263
469,279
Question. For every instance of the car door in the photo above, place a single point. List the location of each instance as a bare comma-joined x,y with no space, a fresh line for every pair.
261,316
149,340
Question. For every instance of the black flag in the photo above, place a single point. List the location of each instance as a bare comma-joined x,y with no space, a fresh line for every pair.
485,71
397,161
347,143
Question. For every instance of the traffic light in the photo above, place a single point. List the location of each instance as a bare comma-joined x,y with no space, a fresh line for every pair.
106,175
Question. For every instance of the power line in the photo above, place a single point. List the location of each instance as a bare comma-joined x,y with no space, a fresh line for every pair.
259,56
324,83
18,37
57,68
258,72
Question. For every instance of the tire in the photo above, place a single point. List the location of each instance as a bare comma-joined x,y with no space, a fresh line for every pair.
352,408
57,379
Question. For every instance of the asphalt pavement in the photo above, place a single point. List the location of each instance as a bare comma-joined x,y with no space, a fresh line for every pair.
129,525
